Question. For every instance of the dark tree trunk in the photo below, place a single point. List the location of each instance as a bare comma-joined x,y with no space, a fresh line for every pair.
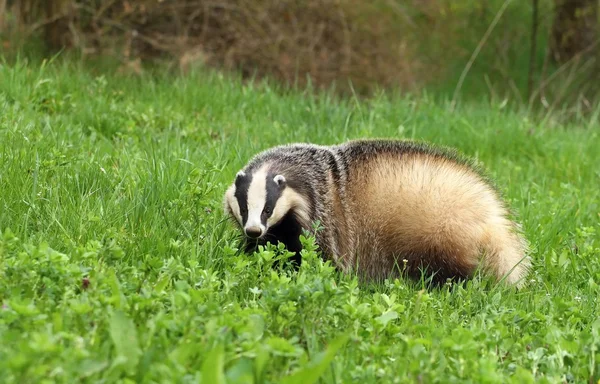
574,29
532,47
2,14
55,30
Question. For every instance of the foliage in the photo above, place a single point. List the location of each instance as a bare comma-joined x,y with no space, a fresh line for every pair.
354,46
116,263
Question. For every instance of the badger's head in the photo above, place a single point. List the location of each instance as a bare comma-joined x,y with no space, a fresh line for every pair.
259,199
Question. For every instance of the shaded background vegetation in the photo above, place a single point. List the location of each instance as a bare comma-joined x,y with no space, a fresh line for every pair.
540,53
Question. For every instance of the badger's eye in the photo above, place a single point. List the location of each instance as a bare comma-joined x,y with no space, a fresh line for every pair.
268,211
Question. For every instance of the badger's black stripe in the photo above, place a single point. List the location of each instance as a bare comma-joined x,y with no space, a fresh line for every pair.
287,231
274,191
242,184
333,165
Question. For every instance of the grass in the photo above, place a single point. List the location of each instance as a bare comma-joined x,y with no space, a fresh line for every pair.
116,264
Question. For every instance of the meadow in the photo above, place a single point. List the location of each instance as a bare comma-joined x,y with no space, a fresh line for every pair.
117,263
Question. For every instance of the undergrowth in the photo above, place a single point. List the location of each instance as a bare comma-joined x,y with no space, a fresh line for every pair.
117,263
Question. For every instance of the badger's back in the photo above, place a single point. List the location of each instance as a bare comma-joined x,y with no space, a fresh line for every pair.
409,206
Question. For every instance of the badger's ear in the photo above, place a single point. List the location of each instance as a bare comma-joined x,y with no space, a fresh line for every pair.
240,174
280,180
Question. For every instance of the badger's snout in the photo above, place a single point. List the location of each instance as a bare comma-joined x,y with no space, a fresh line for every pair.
253,232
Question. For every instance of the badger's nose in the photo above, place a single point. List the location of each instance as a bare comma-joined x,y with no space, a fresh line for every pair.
253,232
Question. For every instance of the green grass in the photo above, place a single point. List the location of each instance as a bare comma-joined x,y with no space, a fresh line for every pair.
116,263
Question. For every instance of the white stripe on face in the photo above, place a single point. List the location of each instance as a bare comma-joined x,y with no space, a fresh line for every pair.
289,200
232,203
257,197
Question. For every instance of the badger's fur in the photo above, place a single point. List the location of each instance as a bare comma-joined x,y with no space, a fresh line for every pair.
383,206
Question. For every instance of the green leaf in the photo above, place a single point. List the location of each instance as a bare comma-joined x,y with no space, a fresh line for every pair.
90,367
387,317
318,365
25,308
241,372
124,336
212,368
117,296
260,361
162,283
281,346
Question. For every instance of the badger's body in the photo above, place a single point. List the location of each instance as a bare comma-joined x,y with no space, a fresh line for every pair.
383,206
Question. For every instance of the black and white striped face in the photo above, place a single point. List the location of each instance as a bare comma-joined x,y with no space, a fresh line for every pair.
259,200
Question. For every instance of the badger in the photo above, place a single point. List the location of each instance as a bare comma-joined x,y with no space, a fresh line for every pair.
385,207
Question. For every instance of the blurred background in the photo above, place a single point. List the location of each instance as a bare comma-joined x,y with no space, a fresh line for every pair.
538,53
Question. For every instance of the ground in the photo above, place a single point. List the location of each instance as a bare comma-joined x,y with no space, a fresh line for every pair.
116,262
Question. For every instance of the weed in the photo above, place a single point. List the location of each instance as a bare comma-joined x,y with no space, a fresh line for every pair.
116,263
